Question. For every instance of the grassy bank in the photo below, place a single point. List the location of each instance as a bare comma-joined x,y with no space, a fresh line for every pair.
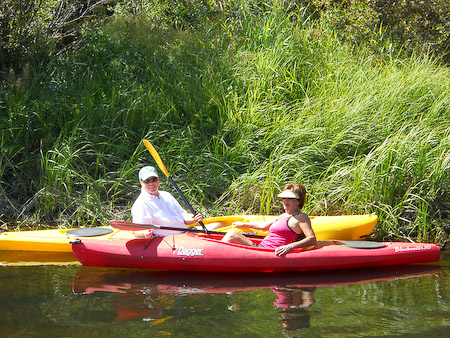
236,109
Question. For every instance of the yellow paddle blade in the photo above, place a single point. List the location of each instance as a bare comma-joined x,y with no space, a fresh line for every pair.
155,155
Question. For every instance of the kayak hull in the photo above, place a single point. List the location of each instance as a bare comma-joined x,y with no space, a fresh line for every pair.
187,252
351,227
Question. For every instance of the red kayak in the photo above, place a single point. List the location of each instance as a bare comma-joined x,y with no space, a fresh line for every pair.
190,252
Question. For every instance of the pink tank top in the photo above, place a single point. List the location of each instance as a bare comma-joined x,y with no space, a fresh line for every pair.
279,234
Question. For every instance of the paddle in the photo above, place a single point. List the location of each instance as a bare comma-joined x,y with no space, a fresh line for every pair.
138,227
161,166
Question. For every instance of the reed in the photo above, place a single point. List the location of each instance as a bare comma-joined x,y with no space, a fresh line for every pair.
362,138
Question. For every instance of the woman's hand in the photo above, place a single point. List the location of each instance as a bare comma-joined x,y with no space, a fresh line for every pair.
283,249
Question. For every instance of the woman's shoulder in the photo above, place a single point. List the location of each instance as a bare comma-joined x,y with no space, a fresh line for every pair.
301,218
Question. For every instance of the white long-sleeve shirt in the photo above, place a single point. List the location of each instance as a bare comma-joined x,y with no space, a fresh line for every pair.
162,210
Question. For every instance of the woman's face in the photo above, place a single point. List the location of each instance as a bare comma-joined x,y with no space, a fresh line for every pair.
151,185
291,205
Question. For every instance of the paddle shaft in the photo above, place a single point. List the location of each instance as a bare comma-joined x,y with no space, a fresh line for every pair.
138,227
186,202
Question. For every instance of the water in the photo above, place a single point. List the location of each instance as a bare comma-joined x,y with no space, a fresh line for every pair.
64,299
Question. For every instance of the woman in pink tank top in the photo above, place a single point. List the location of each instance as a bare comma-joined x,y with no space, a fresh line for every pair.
289,231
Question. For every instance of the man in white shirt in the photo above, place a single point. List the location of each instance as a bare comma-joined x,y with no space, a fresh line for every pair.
158,207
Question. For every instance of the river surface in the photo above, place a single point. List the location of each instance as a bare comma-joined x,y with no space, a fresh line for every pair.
41,297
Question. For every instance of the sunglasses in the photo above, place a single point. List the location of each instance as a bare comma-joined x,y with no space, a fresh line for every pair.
150,180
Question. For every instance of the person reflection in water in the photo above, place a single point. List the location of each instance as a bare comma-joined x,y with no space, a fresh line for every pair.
294,302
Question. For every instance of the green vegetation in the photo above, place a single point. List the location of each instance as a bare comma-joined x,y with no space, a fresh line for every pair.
239,98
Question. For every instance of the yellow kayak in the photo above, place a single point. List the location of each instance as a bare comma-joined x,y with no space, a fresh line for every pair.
347,227
351,227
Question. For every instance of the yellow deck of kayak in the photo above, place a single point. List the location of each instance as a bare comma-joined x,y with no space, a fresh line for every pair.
351,227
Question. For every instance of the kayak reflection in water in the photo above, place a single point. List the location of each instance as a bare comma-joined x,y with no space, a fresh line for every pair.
289,231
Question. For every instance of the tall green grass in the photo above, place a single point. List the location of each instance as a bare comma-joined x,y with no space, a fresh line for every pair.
236,108
366,134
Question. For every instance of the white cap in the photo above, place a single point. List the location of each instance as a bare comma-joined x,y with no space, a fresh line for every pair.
147,172
288,194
